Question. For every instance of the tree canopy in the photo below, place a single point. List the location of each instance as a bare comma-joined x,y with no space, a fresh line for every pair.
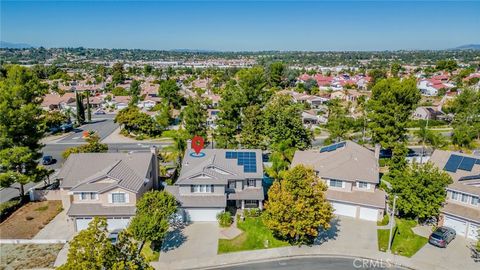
195,118
297,207
93,146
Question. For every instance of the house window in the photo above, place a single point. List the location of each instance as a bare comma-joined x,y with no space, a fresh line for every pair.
251,182
464,198
93,196
118,197
251,203
83,196
474,201
335,183
202,188
362,185
231,184
454,195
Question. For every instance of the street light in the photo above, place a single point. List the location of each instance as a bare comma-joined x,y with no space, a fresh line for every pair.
392,220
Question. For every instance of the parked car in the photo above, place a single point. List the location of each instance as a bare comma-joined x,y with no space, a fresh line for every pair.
99,112
66,127
442,236
54,130
48,160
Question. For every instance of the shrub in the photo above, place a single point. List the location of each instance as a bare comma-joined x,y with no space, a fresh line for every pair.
254,212
28,218
224,219
42,208
7,208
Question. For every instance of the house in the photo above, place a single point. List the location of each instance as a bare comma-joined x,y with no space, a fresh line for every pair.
425,113
310,117
56,101
217,178
431,87
351,173
462,209
212,116
106,185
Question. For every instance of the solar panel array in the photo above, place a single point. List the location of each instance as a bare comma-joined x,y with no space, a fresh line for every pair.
456,162
246,159
332,147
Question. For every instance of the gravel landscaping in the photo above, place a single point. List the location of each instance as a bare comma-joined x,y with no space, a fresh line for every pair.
28,256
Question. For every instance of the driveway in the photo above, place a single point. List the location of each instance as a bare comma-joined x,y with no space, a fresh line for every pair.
457,252
197,240
59,228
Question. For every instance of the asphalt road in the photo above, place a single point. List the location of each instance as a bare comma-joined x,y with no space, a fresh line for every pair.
316,263
102,124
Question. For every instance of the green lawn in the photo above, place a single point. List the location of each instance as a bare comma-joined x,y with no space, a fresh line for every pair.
405,242
149,253
254,236
384,220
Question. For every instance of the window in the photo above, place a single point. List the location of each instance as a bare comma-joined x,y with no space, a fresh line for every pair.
93,196
231,184
83,196
464,198
335,183
362,185
251,182
118,197
474,201
454,195
251,203
202,188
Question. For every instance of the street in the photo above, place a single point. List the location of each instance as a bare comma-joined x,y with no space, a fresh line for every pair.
102,124
315,263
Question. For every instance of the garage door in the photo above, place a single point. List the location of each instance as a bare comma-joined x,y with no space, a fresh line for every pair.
344,209
117,223
458,225
473,231
369,213
82,223
202,214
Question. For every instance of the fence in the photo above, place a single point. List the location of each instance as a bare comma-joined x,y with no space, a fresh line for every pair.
45,195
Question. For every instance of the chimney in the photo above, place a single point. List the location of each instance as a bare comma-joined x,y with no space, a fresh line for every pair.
377,151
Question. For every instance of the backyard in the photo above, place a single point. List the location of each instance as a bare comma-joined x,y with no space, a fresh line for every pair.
28,256
28,220
255,236
405,241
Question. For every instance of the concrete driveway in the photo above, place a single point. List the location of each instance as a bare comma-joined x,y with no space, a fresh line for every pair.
197,240
58,228
457,252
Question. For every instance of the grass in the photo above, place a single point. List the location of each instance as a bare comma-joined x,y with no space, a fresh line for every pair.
28,256
42,208
405,241
151,252
255,236
384,221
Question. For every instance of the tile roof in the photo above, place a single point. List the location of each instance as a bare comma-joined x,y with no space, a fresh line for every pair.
352,163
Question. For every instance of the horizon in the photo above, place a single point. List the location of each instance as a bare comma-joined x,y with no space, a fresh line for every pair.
253,27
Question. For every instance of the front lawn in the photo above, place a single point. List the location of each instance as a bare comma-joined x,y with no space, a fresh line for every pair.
255,236
405,241
28,256
29,219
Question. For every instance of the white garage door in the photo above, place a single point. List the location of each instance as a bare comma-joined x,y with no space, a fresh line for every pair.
202,214
117,223
473,231
458,225
369,213
82,223
344,209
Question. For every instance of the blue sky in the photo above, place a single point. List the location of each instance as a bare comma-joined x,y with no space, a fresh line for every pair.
248,25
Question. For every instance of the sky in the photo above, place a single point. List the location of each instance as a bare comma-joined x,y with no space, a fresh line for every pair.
242,26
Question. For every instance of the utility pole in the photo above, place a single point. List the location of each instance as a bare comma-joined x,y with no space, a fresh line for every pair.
392,220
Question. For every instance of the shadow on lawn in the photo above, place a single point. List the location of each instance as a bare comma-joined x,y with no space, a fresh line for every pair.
330,234
174,238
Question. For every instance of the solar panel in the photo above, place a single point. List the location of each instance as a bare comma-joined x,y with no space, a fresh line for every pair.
246,159
452,163
467,164
332,147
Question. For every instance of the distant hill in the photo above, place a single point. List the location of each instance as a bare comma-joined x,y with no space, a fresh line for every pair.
469,47
11,45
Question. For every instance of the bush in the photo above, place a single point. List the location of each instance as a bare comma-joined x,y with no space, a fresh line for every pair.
224,219
7,208
254,212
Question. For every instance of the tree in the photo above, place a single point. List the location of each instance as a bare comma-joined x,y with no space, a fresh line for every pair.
421,190
21,128
447,65
135,92
376,75
154,211
93,146
297,206
395,69
229,117
54,118
252,82
118,73
276,74
169,91
390,108
147,70
92,249
429,137
339,124
80,109
195,118
466,122
251,135
283,122
137,122
89,109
